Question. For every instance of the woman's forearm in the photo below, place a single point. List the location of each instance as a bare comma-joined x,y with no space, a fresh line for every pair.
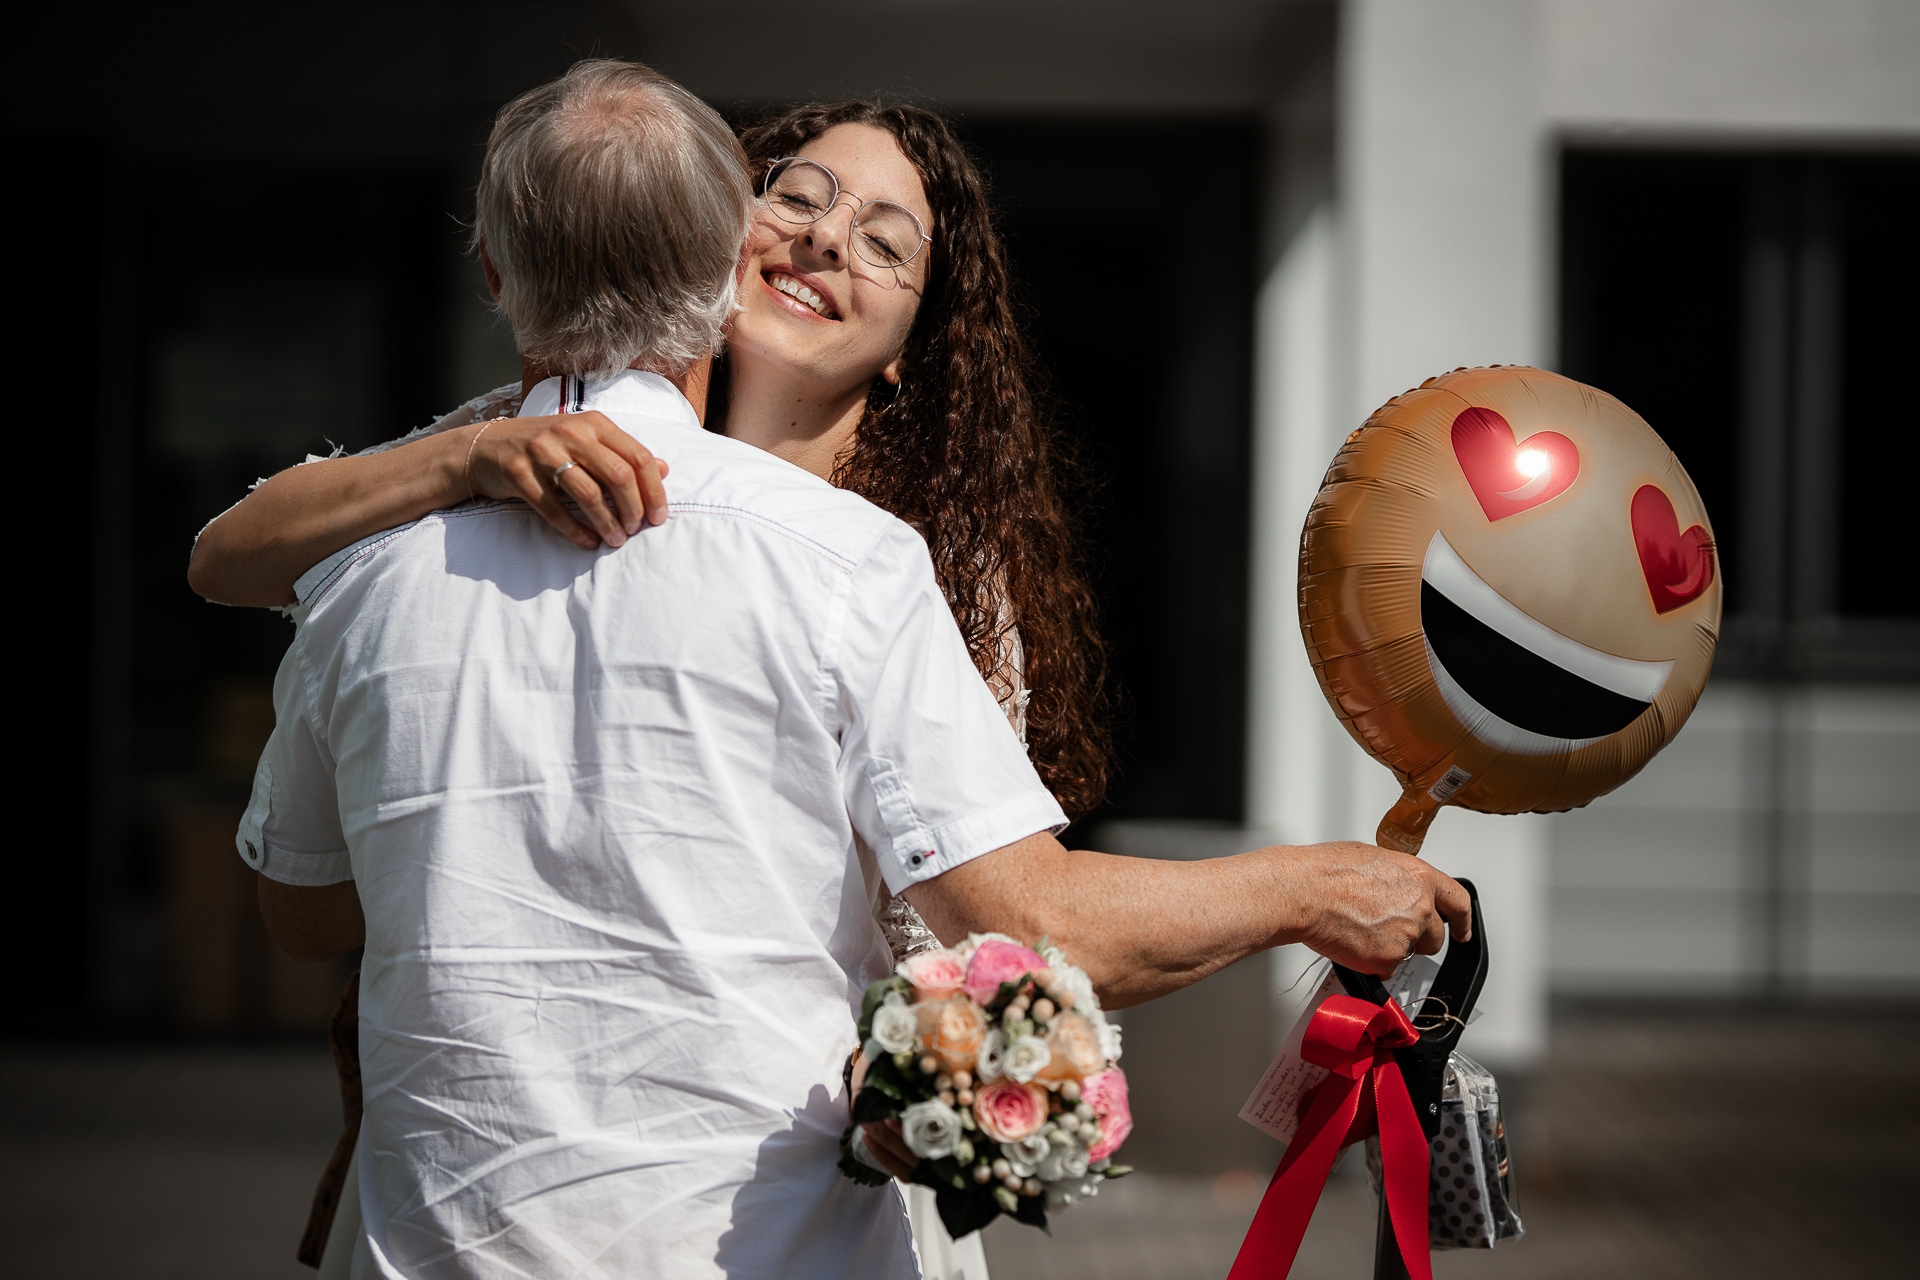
254,552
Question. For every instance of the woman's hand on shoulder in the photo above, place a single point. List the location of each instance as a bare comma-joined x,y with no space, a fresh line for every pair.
610,476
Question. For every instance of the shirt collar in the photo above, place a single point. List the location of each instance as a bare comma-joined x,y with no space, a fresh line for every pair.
630,392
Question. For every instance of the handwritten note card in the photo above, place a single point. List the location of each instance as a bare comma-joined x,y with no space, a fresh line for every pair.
1274,1106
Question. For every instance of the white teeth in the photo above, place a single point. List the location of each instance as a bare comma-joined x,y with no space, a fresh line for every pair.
794,289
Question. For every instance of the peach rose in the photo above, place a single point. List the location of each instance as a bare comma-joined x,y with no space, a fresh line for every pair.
995,962
952,1029
1106,1093
1076,1047
1008,1112
935,975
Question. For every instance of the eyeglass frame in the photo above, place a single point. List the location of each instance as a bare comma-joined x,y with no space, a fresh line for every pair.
774,166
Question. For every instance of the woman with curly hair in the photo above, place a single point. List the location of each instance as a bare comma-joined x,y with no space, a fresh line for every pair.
876,346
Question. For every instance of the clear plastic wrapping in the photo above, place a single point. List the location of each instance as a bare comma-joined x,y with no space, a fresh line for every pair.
1470,1200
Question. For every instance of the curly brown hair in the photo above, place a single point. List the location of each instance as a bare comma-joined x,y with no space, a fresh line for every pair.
963,453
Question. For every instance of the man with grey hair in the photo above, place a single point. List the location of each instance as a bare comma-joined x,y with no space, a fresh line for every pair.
611,822
610,215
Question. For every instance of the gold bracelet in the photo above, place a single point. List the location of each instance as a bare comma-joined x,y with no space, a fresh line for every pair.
472,492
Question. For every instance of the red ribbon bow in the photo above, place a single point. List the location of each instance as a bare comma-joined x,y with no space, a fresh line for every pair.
1354,1040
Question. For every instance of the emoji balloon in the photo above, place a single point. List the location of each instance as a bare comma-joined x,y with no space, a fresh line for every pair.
1510,594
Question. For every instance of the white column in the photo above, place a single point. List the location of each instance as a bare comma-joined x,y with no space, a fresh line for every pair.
1442,173
1292,733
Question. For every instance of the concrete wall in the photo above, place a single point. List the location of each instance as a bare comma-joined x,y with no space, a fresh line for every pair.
1428,244
1664,886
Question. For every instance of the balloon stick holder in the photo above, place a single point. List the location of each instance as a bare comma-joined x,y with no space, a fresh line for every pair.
1423,1065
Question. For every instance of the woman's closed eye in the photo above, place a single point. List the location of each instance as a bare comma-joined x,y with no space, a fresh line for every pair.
796,203
882,248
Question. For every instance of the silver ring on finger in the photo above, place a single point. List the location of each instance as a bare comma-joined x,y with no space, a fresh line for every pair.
561,470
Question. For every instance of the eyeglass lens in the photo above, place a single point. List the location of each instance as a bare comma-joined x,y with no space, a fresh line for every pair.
884,233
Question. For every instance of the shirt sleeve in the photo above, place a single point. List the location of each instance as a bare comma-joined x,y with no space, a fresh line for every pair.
934,774
291,831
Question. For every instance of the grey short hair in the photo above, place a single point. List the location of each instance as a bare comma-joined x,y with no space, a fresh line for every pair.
614,205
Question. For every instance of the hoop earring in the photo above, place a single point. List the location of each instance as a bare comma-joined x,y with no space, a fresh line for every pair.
880,402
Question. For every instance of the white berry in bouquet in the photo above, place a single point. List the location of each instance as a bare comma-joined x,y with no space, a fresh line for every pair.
1001,1070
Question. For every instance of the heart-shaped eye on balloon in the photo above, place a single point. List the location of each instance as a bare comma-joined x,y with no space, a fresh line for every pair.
1678,566
1508,478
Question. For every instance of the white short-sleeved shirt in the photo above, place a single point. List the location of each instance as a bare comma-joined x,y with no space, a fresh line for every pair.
616,819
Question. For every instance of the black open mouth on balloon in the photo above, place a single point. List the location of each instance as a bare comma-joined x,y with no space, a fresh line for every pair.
1515,682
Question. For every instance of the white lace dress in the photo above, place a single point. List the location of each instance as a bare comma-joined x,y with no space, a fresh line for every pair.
941,1257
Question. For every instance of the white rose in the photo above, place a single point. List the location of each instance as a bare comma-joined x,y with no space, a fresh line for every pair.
1109,1035
894,1024
1075,988
1064,1164
1025,1057
1027,1154
990,1063
931,1129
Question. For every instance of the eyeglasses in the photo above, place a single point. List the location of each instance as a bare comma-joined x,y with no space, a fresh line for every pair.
804,191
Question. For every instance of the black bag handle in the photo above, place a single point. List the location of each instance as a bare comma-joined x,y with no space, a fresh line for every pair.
1455,988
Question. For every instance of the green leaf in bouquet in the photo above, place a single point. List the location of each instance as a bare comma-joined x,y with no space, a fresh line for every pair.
944,1172
1032,1210
1008,990
1116,1171
875,993
965,1207
873,1105
886,1078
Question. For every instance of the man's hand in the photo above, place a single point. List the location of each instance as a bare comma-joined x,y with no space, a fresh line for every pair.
889,1149
883,1138
1371,908
614,479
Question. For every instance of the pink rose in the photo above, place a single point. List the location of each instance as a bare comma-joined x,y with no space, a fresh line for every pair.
1008,1112
935,975
996,962
1106,1093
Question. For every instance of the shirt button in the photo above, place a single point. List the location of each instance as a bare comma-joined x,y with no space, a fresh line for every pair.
913,861
253,856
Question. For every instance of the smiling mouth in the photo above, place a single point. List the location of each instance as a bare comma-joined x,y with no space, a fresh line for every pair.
788,287
1516,683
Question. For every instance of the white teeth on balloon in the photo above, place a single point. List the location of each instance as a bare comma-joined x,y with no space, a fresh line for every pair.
1515,683
1628,677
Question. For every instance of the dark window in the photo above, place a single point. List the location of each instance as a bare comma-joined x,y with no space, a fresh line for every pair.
1879,237
1759,311
1151,369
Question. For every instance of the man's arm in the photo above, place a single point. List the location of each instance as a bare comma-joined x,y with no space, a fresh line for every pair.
1142,928
313,924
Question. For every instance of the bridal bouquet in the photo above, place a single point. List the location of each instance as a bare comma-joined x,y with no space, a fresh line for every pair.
999,1066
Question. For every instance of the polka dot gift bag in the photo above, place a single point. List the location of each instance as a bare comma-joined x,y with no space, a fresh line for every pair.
1470,1202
